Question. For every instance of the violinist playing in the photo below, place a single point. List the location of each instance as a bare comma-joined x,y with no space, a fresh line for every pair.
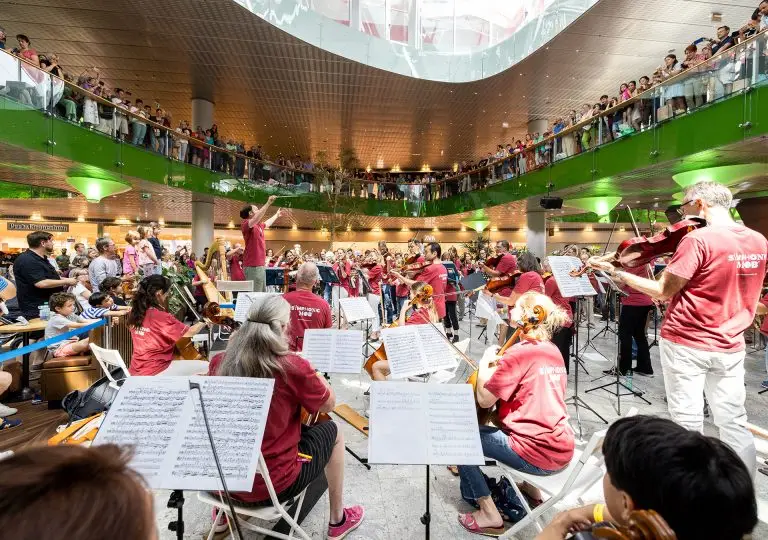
414,257
374,272
343,269
528,386
713,285
434,274
154,332
424,312
650,465
563,336
260,349
529,280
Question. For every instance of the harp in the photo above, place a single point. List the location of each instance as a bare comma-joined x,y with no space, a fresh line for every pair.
212,294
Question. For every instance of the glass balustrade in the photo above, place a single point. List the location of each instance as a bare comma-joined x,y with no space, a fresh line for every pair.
72,114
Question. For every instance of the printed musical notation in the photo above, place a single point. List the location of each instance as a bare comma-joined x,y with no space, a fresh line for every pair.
162,418
334,351
356,309
416,349
243,304
419,424
570,286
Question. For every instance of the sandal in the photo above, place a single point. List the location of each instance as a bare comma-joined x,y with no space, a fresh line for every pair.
9,424
468,522
453,469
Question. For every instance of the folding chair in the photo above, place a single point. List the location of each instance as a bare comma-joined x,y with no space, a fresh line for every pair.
584,471
109,359
266,513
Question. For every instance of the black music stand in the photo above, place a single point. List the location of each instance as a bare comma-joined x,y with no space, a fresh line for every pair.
275,277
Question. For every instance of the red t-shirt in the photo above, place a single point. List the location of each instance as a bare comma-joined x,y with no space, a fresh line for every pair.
344,281
375,275
725,266
154,341
530,382
236,268
529,281
450,292
419,316
506,265
437,276
255,246
553,291
307,311
636,298
299,387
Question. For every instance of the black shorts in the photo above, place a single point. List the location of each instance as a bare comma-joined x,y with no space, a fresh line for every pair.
316,441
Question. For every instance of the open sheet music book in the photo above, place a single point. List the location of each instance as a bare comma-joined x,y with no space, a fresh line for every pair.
416,349
243,304
486,309
161,417
356,309
334,351
570,286
423,424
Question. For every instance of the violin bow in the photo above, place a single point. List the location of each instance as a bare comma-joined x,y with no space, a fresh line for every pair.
464,357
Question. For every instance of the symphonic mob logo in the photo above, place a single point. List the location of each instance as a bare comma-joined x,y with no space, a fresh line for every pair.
747,260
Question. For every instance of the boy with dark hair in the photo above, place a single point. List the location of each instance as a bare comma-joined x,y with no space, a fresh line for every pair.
655,464
113,287
101,304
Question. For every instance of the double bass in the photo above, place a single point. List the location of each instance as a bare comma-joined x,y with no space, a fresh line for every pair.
523,327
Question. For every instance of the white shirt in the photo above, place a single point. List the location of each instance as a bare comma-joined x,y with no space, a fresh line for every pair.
78,291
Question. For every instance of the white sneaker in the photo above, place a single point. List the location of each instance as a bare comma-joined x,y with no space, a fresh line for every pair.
7,411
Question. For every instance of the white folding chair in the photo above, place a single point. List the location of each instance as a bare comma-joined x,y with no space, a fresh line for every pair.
266,513
108,359
573,482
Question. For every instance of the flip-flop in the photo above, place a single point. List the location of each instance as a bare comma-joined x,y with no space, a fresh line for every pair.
468,522
453,469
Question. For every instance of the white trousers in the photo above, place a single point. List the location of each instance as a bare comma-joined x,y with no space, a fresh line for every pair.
374,300
689,373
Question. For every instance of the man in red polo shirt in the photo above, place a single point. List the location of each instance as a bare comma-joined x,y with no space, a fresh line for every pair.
308,310
434,274
254,264
713,285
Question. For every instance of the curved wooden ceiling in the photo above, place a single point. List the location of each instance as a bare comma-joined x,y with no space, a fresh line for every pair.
293,98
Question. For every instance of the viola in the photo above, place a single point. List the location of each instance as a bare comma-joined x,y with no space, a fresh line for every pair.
496,284
484,416
642,250
423,297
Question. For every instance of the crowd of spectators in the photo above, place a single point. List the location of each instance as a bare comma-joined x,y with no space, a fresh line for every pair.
185,142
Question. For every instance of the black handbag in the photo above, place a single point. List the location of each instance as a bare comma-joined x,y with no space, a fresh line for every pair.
94,400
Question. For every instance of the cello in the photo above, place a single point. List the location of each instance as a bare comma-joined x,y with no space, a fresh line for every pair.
380,354
523,327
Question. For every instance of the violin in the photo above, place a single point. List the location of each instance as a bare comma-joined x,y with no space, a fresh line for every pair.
423,297
642,525
413,267
496,284
212,312
642,250
484,416
546,275
491,262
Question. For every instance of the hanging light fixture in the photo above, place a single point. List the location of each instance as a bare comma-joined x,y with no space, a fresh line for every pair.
95,183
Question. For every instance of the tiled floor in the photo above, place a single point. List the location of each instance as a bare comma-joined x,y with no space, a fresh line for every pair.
394,496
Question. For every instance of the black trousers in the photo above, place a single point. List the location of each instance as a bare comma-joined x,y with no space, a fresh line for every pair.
451,319
632,325
562,339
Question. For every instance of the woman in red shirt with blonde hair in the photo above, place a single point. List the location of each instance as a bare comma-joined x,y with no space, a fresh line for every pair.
527,386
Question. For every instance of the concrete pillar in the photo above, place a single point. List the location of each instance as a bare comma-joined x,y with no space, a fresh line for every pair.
536,234
202,113
537,126
202,223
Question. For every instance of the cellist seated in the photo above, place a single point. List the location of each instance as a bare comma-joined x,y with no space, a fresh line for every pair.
424,311
528,388
696,484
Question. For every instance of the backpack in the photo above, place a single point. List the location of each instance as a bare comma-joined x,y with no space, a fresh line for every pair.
95,399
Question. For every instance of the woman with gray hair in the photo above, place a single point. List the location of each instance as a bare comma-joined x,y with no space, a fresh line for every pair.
260,349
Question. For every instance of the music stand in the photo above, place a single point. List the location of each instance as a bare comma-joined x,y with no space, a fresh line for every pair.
327,274
275,277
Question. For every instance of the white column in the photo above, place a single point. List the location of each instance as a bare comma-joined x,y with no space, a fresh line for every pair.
202,113
202,223
537,126
536,234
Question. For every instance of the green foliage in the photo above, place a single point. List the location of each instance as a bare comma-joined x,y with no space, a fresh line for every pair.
181,276
475,246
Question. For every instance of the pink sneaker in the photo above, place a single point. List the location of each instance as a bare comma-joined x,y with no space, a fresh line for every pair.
219,525
353,519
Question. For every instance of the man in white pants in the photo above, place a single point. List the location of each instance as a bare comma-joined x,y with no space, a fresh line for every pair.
713,284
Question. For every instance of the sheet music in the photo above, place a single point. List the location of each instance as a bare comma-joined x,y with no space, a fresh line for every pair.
334,351
486,309
356,309
419,424
416,349
161,416
570,286
243,304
